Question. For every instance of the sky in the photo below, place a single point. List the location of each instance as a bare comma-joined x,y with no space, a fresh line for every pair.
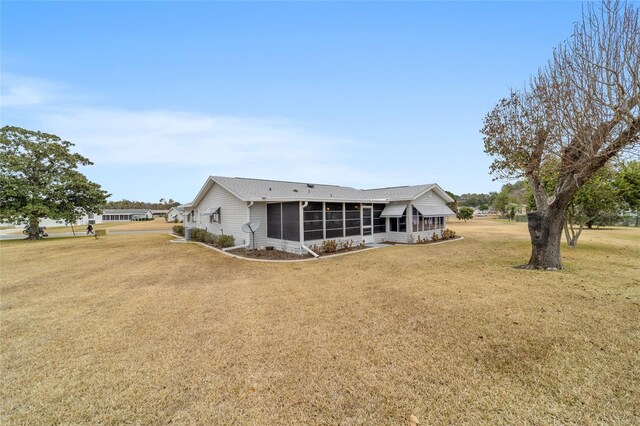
160,95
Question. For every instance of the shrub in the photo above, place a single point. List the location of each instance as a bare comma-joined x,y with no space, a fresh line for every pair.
448,233
197,234
179,230
329,246
224,241
435,237
210,238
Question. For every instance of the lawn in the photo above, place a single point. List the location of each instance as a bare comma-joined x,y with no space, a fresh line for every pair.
150,225
134,329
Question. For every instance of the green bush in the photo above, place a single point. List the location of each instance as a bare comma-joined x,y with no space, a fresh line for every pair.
210,238
225,241
197,234
179,230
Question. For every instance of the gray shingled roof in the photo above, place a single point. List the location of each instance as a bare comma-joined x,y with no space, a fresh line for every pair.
259,189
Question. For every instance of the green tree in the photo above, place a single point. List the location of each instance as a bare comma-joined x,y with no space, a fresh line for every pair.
627,183
39,178
464,213
501,201
454,205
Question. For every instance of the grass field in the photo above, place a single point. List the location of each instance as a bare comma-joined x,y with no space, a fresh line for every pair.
150,225
134,329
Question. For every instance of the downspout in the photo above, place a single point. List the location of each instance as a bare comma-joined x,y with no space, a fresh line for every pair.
302,206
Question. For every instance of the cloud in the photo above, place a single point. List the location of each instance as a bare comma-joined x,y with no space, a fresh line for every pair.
272,147
260,147
19,91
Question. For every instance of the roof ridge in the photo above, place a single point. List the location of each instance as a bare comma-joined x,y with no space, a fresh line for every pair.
281,181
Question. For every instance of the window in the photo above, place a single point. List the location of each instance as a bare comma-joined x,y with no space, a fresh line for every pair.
334,220
291,221
215,216
283,221
352,219
274,221
426,223
313,223
398,224
379,223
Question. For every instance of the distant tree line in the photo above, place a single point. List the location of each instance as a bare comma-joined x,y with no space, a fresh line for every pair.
603,200
162,204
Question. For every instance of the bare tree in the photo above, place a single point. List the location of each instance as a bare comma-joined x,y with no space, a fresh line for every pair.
581,110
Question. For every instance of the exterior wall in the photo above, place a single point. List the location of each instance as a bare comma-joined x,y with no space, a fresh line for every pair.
175,214
258,212
399,237
233,214
84,220
430,198
425,235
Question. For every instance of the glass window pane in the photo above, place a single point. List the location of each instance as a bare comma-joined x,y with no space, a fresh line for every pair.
334,233
352,207
291,221
312,235
313,207
352,231
313,215
274,212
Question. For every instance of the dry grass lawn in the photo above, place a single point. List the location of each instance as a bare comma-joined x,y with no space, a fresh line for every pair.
150,225
134,329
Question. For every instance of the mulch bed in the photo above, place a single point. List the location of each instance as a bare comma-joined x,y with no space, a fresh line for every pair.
268,254
283,255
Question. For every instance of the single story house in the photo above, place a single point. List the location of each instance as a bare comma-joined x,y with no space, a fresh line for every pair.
113,215
159,213
294,216
175,213
84,220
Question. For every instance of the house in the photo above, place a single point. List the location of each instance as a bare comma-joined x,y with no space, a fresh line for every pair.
84,220
113,215
159,213
175,213
294,216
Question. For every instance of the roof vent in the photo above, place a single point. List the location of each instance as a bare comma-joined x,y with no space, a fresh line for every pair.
295,190
310,185
269,189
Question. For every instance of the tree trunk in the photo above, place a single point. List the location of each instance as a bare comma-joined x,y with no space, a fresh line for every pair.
34,229
545,230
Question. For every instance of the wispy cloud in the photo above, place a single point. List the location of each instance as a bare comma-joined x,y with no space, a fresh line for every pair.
268,147
20,91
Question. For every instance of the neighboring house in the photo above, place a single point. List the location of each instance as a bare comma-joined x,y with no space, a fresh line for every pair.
295,216
84,220
159,213
175,213
113,215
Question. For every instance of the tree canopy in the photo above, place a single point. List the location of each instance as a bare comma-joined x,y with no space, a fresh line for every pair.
39,178
580,111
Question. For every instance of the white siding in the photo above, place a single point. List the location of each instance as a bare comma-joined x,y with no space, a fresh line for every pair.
84,220
233,214
430,198
259,213
399,237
